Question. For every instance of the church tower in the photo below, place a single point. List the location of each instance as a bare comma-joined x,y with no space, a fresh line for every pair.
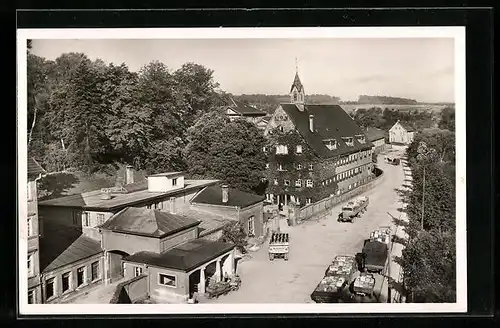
297,94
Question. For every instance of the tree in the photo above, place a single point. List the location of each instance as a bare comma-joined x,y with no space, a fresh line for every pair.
229,151
447,120
234,233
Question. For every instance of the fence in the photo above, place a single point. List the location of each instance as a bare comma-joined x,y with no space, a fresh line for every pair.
323,206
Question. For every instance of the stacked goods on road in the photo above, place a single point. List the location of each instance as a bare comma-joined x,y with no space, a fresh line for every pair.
279,245
353,209
364,284
382,234
375,255
342,266
329,289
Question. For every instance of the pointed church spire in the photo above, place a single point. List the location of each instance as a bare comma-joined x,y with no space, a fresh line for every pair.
297,94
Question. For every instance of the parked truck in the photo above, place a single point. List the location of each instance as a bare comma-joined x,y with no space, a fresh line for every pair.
344,266
375,255
329,289
279,245
353,209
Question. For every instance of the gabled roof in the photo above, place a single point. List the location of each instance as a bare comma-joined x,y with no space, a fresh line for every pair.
213,195
244,109
62,246
330,122
34,169
406,126
185,257
297,83
373,134
148,222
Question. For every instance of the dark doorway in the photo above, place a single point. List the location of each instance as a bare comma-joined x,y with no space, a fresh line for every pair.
115,264
194,280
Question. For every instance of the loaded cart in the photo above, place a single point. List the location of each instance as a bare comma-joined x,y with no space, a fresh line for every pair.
215,289
329,289
364,284
353,209
342,266
279,245
382,234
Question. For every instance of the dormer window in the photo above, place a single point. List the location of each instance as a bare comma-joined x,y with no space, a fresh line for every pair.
298,183
280,167
310,167
281,129
348,141
299,166
281,150
361,138
267,165
264,149
331,144
299,149
275,182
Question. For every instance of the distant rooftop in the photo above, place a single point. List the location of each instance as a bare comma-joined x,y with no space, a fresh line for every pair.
244,109
92,200
213,195
167,174
374,134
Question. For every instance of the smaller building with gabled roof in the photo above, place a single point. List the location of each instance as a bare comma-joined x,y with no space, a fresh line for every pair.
401,133
377,138
238,109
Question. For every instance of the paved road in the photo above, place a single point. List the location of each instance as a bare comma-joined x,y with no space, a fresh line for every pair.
314,244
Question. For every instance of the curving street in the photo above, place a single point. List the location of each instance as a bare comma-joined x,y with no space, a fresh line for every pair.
313,245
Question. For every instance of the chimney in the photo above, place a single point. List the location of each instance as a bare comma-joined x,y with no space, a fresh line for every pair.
225,193
129,175
311,123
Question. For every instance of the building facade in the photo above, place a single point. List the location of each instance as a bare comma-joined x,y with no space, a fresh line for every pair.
401,133
314,151
377,138
33,233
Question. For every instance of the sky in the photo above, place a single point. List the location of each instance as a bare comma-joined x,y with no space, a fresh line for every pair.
416,68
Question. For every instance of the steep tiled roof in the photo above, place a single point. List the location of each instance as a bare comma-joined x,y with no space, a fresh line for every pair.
184,257
407,127
62,246
213,195
374,134
34,169
148,222
244,109
330,122
92,200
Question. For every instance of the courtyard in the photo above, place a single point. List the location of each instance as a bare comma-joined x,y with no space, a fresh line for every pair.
314,244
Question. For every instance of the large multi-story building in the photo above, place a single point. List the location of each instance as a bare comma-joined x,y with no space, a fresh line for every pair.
34,231
314,151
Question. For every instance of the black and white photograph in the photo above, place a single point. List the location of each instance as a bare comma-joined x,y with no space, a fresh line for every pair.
233,170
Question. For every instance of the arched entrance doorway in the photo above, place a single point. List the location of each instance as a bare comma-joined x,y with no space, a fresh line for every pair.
115,264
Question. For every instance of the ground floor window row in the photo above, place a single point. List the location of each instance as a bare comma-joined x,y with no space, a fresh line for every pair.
68,282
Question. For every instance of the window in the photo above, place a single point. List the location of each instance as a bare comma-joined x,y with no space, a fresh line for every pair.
281,149
31,297
174,182
149,206
287,182
267,165
137,271
275,182
50,288
100,218
158,206
251,226
299,166
309,183
308,200
264,149
350,186
85,219
331,144
80,276
281,128
348,141
298,183
299,149
310,167
30,265
75,217
29,192
280,167
66,281
95,270
295,96
30,227
167,280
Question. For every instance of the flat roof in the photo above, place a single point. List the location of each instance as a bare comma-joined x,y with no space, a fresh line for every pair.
167,174
185,257
92,200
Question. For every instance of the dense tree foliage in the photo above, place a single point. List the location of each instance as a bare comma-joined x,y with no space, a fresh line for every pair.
447,120
230,151
86,115
428,259
364,99
384,119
